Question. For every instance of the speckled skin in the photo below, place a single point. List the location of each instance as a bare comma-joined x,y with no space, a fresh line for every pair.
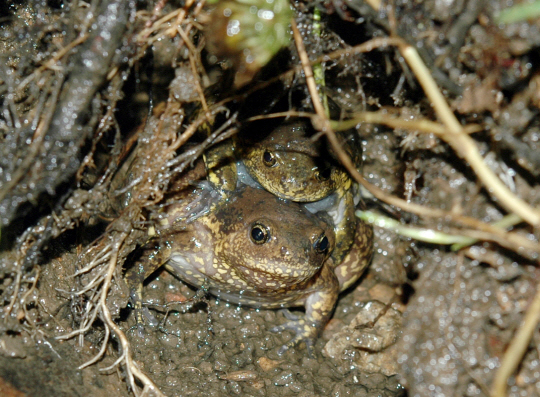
218,250
294,173
356,260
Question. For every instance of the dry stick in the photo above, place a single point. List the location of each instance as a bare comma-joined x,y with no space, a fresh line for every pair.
518,242
145,33
463,144
195,125
308,71
383,117
51,63
456,135
322,123
370,45
193,63
375,4
35,145
513,355
172,31
179,14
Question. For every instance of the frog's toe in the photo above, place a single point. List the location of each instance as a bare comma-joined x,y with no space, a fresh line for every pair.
289,316
204,199
143,317
137,329
303,332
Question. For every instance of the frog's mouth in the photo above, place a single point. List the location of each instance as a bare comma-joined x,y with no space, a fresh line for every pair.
276,278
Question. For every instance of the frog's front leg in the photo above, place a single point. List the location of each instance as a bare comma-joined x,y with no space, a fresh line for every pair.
353,265
319,307
221,167
345,224
154,255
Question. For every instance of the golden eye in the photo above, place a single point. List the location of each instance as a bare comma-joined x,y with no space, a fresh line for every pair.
259,234
269,159
322,244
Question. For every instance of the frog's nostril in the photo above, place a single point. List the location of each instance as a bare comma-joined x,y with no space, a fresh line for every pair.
322,244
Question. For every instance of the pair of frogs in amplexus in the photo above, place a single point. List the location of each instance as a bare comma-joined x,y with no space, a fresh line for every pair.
279,228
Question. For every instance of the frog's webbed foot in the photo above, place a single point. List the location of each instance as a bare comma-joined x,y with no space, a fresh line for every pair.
143,316
205,197
303,330
187,209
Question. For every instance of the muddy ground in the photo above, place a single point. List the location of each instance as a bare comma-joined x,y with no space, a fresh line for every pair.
101,121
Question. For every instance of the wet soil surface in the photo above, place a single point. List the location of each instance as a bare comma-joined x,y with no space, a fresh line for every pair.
101,122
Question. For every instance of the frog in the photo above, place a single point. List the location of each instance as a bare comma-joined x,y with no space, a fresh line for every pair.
287,163
254,249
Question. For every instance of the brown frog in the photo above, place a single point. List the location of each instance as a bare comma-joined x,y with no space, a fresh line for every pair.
252,248
288,164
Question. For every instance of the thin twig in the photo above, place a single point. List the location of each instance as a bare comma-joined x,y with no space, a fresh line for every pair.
463,144
145,33
310,79
456,137
50,64
193,63
383,117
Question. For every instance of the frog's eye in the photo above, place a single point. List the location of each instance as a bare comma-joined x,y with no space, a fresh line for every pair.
322,244
324,174
269,159
259,234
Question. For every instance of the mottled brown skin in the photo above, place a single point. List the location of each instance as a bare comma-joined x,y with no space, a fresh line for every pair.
297,172
356,260
287,163
220,162
289,266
